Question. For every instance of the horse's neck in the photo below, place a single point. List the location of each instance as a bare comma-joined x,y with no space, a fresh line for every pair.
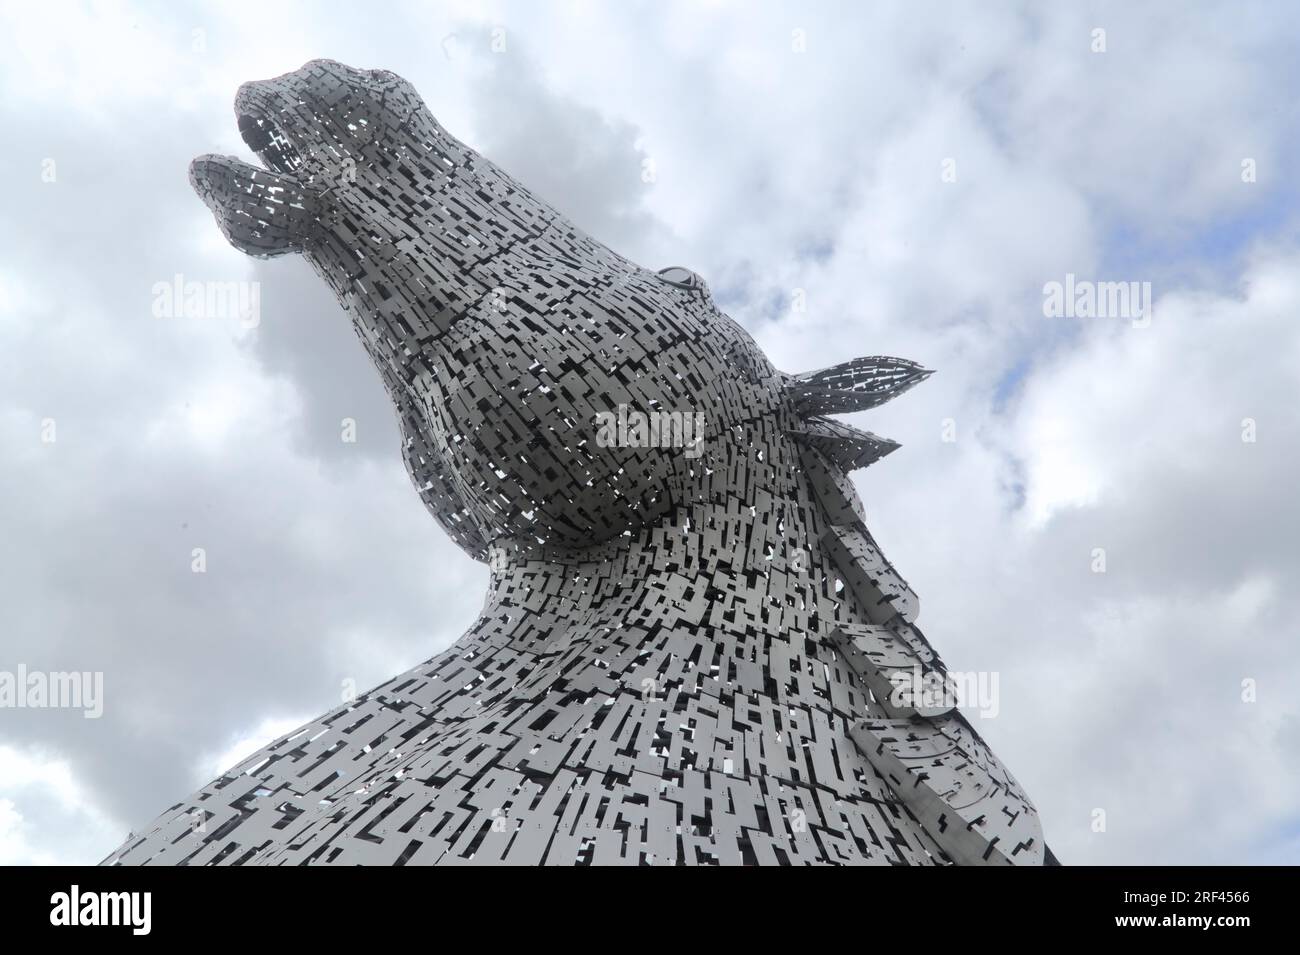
734,569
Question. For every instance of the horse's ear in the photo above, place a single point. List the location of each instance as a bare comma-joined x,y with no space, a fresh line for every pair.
854,385
846,447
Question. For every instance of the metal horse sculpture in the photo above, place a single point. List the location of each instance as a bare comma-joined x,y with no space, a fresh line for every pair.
692,650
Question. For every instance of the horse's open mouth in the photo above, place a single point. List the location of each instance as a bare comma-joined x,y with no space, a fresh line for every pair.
261,131
270,144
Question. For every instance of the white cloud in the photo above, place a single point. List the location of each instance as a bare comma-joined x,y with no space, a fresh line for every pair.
46,815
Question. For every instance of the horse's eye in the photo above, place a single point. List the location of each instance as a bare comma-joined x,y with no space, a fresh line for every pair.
682,278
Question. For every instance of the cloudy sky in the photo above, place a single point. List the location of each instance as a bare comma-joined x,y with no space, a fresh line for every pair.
911,175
